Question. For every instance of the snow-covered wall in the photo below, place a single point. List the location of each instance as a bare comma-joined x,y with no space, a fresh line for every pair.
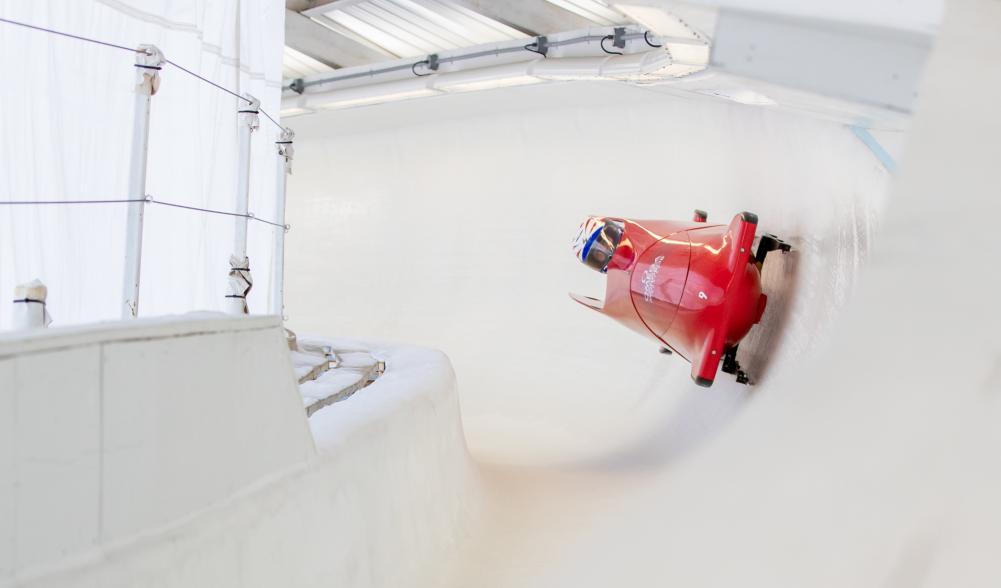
176,452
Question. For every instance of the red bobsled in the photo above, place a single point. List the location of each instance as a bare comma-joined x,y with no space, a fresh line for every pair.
692,286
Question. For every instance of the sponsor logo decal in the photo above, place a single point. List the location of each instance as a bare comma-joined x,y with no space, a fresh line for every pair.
649,277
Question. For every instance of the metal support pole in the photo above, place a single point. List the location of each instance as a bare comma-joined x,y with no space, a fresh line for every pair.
286,151
149,60
240,281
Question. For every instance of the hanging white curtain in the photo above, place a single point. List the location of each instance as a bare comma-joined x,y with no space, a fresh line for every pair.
65,129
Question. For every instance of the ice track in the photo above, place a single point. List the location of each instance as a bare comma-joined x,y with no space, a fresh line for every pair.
866,453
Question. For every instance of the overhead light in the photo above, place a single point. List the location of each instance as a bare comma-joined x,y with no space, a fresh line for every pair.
415,27
568,68
294,111
491,84
402,43
296,64
371,94
595,11
485,78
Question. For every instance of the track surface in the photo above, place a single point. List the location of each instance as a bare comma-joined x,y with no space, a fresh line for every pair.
865,454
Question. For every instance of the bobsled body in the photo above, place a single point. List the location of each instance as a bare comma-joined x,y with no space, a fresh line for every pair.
693,287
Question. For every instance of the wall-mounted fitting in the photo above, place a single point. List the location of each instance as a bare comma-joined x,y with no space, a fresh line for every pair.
297,86
619,37
542,45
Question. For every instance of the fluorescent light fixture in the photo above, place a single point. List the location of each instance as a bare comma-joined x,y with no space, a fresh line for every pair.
740,95
486,78
371,94
595,11
568,68
410,28
492,84
300,65
294,111
393,41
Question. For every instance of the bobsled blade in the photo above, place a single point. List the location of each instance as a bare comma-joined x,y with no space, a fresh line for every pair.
592,303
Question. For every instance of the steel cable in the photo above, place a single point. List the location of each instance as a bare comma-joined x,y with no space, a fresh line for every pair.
149,200
134,50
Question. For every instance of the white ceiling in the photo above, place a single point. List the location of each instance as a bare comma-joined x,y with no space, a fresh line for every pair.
395,29
412,28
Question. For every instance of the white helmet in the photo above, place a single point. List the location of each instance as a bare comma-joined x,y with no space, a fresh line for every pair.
596,241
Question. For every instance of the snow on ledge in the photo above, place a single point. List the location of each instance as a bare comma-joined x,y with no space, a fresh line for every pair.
193,323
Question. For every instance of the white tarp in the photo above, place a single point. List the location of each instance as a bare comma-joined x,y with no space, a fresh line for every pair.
65,128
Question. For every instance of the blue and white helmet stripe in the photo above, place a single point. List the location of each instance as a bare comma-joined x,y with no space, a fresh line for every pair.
589,231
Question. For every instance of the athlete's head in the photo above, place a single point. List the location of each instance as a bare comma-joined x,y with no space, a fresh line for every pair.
596,241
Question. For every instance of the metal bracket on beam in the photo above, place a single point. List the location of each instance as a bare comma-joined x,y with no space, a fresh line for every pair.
542,45
433,62
297,86
619,37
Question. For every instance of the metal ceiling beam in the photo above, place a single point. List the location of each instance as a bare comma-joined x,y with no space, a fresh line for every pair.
532,17
325,45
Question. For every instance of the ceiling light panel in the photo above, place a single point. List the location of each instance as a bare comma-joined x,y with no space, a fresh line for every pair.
300,65
374,94
412,28
486,78
294,111
596,11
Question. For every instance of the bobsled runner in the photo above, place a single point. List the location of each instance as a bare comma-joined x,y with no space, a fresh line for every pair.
692,286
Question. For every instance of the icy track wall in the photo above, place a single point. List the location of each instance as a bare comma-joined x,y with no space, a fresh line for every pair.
176,452
869,456
870,461
448,222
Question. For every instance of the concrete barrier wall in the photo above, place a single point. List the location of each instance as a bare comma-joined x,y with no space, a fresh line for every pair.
113,430
177,453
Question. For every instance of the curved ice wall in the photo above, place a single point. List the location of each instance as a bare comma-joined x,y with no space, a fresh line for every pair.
448,222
